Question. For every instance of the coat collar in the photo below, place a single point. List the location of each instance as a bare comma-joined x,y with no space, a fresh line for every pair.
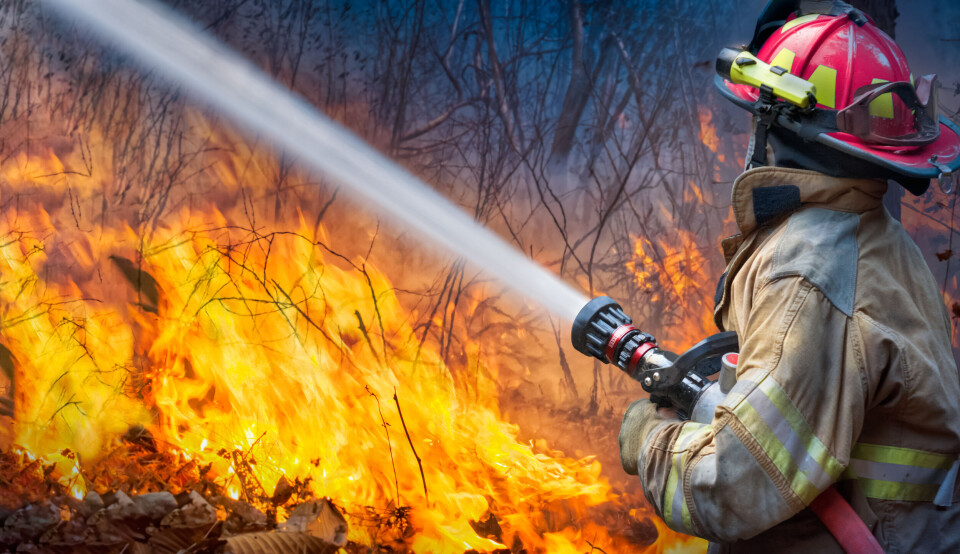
765,194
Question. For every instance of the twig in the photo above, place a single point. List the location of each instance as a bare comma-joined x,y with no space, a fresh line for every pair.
243,471
409,440
366,336
396,480
595,548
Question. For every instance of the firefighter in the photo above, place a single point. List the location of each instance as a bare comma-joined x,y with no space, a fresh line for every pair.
846,381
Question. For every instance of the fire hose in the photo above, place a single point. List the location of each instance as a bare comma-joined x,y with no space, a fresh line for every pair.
603,331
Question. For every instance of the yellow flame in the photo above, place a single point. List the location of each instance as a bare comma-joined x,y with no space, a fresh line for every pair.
260,351
260,359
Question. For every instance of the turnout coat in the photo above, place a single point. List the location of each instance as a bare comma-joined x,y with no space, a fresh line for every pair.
846,376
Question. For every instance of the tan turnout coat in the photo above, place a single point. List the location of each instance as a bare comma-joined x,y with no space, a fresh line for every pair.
846,376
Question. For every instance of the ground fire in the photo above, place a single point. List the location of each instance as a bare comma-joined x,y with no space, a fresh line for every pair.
205,348
258,365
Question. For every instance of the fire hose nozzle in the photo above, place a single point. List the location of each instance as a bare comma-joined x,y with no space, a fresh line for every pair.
603,331
594,324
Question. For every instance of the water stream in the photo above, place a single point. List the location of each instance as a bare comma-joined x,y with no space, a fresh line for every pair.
166,42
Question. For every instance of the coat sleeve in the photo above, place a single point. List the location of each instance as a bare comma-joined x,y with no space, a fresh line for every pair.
783,434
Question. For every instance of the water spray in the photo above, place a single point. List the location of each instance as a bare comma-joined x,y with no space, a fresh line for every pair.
163,40
603,331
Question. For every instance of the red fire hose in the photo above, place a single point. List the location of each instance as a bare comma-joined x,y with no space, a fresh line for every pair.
844,524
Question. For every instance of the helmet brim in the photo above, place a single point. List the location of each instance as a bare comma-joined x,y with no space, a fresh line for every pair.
924,162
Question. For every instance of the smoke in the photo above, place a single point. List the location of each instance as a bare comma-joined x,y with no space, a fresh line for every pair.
163,41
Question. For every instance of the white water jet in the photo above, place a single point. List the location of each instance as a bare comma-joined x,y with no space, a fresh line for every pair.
165,41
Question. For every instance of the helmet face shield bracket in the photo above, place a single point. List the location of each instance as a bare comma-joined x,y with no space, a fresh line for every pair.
858,120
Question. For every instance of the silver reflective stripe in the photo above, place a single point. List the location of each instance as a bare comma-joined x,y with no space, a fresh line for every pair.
679,503
792,442
913,475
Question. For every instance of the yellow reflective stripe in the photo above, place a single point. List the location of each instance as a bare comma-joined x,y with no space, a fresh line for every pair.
882,106
784,59
786,438
921,471
900,455
892,490
825,80
675,508
815,448
798,21
799,482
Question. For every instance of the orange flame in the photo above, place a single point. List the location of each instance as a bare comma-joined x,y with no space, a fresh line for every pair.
257,356
708,133
674,275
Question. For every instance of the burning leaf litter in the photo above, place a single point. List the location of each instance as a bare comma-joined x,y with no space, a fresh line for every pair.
254,370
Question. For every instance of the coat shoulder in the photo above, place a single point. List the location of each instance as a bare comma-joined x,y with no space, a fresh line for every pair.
820,246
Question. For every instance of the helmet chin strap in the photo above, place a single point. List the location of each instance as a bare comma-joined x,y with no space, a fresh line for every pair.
768,109
748,163
758,150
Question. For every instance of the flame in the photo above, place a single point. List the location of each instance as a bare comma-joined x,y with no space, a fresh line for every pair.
674,277
708,133
256,357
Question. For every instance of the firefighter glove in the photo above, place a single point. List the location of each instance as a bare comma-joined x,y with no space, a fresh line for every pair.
640,419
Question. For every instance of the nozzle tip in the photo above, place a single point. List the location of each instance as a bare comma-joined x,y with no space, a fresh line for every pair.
583,322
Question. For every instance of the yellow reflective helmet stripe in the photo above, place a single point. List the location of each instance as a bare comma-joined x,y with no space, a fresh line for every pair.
787,439
825,79
675,509
882,106
896,473
798,21
784,59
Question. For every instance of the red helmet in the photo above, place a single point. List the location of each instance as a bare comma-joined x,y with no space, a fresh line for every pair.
868,104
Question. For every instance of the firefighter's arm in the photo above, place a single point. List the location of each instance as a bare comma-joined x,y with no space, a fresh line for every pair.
783,434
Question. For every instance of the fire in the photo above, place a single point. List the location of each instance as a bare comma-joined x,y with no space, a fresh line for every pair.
673,276
251,357
708,132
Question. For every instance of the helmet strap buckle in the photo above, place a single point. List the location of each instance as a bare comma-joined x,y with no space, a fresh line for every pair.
768,109
945,179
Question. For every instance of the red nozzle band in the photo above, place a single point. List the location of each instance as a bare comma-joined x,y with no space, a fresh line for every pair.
615,339
638,355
